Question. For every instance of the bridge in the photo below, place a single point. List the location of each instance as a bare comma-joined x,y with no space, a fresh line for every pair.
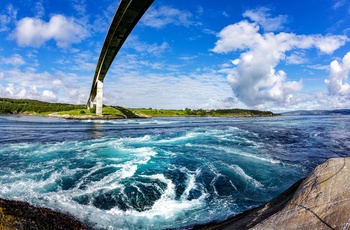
126,17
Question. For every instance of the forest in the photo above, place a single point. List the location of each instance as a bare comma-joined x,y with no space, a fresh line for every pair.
27,106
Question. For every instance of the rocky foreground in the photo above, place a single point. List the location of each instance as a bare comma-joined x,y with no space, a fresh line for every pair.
321,201
21,215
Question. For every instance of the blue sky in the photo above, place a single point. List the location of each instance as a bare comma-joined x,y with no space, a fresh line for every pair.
272,55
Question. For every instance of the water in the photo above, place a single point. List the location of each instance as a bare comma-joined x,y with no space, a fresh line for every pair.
162,172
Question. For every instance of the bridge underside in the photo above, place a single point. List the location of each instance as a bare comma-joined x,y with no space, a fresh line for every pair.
126,17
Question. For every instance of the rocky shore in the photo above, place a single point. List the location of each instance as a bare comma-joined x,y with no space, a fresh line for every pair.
21,215
321,201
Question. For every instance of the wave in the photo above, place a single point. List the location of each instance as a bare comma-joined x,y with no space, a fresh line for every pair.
151,121
236,151
245,177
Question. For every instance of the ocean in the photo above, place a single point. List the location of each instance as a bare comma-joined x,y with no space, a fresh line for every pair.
161,173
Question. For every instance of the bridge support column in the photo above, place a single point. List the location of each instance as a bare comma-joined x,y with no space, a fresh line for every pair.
90,104
99,95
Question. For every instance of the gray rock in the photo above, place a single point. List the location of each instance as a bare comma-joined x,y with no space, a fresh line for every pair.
321,202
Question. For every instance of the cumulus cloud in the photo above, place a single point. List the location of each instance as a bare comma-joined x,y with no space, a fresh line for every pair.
35,32
44,86
15,91
338,82
329,43
165,15
256,79
49,96
239,36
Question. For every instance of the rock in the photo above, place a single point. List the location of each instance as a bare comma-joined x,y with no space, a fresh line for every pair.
22,216
250,218
321,202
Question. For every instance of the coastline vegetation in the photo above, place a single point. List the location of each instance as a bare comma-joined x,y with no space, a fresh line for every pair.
40,108
204,113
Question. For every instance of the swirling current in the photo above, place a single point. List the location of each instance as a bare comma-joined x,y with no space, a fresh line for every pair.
161,173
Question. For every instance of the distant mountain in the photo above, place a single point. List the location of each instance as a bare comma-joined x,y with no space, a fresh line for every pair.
319,112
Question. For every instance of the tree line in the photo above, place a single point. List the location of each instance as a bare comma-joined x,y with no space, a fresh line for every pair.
16,106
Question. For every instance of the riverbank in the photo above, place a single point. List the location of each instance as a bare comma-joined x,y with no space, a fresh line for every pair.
321,201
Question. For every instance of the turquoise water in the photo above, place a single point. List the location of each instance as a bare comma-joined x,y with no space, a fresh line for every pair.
162,172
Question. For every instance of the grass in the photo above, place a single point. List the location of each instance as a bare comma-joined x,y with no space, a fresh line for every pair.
107,111
160,112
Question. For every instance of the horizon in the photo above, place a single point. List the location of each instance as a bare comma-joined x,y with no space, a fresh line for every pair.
261,55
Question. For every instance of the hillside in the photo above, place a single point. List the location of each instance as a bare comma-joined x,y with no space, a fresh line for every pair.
69,111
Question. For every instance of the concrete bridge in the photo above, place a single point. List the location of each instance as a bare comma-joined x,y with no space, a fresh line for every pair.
126,17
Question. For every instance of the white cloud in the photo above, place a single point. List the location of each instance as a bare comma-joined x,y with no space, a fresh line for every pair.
45,86
319,67
329,43
15,60
35,32
339,4
262,17
80,6
239,36
256,81
39,8
48,96
296,58
193,90
165,15
338,82
144,48
15,91
7,17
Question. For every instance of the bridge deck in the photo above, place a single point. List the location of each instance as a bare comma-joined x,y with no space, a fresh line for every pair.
126,17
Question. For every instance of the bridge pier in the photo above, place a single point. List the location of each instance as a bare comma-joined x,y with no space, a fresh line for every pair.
99,96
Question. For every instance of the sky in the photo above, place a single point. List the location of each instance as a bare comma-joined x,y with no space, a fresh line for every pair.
275,55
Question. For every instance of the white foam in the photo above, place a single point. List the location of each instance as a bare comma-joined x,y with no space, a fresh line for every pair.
166,207
191,184
246,177
237,152
128,170
151,121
